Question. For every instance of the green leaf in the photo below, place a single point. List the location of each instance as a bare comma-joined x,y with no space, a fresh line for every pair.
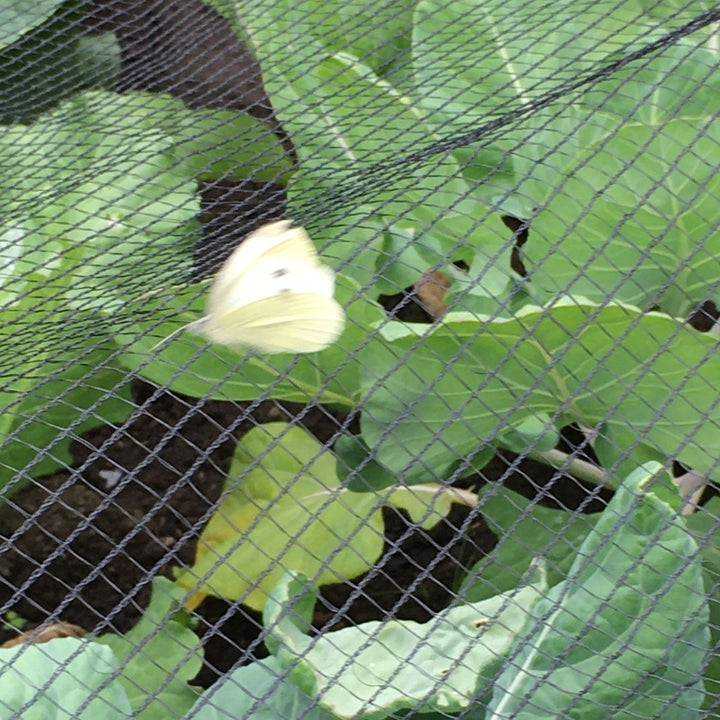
677,12
536,432
525,531
620,450
626,632
59,680
98,61
704,526
379,36
476,61
349,115
232,146
345,120
214,143
40,53
23,16
357,468
681,83
627,220
336,109
285,509
80,202
53,392
378,669
159,656
260,691
449,392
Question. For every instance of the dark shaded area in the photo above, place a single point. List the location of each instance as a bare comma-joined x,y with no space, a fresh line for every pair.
705,316
521,232
182,47
229,212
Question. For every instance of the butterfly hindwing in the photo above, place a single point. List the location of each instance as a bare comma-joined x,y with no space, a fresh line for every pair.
289,323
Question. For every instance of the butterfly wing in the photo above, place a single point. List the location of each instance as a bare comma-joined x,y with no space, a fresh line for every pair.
294,323
274,294
254,268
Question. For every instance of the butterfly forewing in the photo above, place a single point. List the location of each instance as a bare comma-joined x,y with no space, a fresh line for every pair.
276,242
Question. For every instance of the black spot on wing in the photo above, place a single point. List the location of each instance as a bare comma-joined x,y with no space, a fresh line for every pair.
279,273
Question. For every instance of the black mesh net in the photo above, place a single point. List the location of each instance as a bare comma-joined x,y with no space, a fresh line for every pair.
360,360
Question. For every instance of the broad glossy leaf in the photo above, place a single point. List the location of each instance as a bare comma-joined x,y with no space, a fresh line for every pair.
632,219
285,509
22,16
335,107
349,127
704,526
683,82
159,656
53,390
525,531
60,679
213,143
84,207
377,669
677,12
378,34
260,691
450,391
357,468
536,432
620,451
476,61
626,633
339,114
38,57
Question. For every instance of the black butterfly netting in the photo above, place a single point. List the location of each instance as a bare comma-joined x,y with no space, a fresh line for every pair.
494,493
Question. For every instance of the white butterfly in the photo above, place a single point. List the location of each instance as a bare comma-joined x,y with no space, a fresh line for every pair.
273,294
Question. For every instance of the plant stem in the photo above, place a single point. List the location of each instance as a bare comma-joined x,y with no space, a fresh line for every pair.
581,469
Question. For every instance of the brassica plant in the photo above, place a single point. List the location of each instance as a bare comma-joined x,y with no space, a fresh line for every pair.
531,653
527,652
614,183
616,186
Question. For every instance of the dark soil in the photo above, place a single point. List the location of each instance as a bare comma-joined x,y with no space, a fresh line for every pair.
86,554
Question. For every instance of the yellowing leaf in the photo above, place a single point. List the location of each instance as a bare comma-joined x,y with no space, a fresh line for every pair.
287,510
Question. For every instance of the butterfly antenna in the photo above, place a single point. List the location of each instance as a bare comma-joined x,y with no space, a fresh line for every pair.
194,324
